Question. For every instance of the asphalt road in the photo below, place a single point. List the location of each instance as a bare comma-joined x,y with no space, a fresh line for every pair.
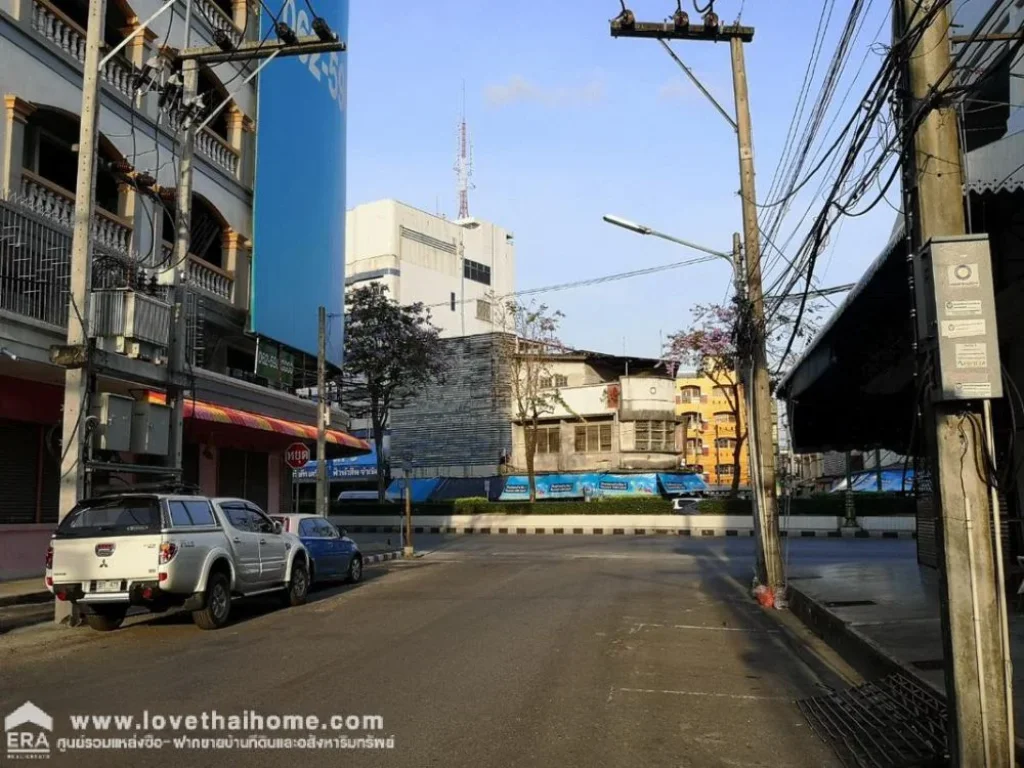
490,651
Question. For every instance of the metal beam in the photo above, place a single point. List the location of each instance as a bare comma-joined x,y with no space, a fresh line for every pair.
666,30
255,49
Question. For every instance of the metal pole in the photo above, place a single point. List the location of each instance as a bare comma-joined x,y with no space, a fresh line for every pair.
761,418
321,413
850,515
73,469
407,547
179,263
977,686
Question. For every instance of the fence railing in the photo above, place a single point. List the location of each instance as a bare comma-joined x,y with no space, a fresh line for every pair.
218,19
50,22
47,199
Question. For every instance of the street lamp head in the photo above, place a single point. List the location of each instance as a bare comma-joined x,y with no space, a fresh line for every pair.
632,226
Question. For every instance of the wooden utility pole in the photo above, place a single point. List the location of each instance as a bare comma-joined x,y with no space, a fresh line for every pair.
77,380
321,413
760,417
977,672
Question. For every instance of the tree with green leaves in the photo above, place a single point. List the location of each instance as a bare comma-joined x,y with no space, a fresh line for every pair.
391,352
530,339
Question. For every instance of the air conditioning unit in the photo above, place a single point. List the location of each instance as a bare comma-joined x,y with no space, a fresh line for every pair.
130,323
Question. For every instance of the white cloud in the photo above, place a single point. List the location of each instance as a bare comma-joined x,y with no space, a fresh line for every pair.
518,90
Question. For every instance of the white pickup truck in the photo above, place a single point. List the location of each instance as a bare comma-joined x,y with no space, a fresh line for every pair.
160,551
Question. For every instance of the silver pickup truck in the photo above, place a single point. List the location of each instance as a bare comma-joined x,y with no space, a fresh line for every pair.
160,551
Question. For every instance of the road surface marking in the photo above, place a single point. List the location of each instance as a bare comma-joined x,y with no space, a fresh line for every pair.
640,625
707,694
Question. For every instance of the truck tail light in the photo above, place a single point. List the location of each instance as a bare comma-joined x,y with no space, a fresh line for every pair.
49,557
167,552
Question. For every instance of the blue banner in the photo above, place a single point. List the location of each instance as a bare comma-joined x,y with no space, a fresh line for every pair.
517,487
597,484
362,467
626,485
298,260
677,483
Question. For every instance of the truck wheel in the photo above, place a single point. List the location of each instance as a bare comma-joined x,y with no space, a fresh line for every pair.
214,614
105,618
297,589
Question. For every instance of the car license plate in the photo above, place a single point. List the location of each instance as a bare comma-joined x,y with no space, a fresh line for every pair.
108,586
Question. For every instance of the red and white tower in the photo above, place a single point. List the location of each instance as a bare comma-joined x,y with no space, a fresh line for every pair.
464,162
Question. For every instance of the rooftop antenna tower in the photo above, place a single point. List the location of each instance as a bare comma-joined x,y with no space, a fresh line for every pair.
464,162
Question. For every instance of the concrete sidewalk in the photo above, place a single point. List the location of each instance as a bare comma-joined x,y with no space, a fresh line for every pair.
882,616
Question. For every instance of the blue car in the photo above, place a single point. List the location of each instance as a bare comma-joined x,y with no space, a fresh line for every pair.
333,555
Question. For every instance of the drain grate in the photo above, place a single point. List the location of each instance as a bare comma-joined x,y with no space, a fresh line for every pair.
848,603
891,723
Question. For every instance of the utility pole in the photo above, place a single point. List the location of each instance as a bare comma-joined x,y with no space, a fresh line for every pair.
407,548
321,413
179,262
288,44
760,418
972,601
77,380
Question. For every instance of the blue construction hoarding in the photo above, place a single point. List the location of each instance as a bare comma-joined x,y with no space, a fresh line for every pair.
596,485
299,207
362,467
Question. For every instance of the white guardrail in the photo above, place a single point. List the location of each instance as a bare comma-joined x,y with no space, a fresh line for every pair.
675,525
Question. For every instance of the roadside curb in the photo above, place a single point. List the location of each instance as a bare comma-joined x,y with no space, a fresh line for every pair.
859,651
381,557
624,531
26,598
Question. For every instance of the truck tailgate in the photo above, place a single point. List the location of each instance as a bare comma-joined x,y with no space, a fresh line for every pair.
134,557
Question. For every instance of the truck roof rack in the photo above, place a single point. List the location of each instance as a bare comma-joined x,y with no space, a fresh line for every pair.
182,489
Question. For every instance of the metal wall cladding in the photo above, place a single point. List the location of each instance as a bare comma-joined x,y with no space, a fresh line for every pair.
130,314
462,421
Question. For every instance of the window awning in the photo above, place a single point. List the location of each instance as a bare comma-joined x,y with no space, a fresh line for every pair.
221,414
196,409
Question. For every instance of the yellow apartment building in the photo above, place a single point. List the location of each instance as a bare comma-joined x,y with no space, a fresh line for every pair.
709,427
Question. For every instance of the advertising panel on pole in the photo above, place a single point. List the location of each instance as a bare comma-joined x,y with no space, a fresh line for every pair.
298,261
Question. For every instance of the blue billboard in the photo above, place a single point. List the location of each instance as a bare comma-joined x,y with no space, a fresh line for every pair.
298,260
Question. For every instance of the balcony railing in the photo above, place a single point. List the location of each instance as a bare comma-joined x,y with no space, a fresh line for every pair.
35,259
50,22
219,19
56,203
219,151
205,276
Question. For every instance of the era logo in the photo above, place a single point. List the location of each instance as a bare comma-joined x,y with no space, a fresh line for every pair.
26,732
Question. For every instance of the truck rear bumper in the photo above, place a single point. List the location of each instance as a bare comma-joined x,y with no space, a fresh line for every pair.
145,594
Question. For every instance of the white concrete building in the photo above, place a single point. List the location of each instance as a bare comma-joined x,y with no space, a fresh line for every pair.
453,267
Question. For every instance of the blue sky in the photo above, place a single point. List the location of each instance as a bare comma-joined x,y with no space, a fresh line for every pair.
569,124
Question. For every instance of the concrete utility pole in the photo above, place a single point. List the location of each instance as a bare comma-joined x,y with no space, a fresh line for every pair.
74,451
977,671
321,413
179,260
290,44
760,418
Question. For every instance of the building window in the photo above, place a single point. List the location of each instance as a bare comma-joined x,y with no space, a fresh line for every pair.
453,301
725,469
694,445
724,393
725,417
690,394
692,419
655,436
725,443
560,381
483,310
593,438
475,271
549,439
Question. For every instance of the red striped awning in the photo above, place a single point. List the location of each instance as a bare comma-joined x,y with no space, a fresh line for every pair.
197,409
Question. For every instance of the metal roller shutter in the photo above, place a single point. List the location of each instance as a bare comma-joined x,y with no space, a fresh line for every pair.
19,449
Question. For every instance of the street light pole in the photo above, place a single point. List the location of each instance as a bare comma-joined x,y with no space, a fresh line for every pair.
679,28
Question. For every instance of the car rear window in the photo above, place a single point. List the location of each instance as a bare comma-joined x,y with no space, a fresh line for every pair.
119,517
